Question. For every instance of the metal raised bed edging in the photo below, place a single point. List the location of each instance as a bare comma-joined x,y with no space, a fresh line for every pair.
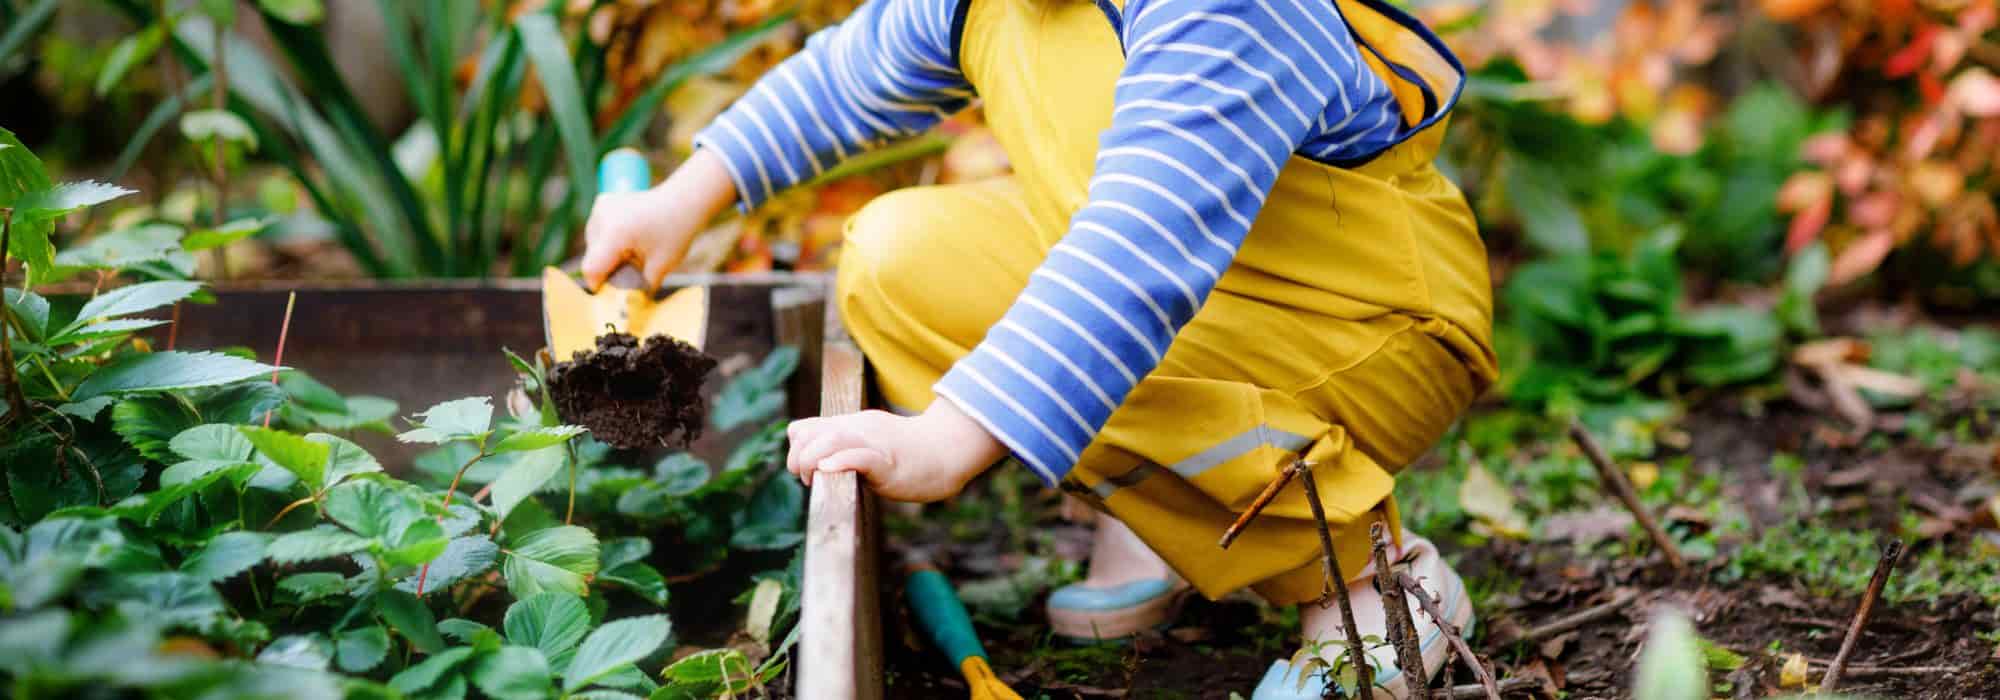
840,646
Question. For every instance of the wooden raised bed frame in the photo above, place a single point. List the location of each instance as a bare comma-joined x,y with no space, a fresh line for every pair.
420,343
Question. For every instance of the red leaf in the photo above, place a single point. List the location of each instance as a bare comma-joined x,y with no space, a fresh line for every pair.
1860,257
1931,88
1807,225
1911,57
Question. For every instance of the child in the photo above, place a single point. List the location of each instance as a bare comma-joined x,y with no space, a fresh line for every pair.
1223,248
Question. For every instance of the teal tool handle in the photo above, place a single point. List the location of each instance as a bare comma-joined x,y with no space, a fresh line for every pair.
942,616
624,170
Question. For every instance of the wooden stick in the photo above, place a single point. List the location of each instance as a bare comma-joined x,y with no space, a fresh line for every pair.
1476,691
1396,611
1364,677
1614,479
1580,618
1891,553
1257,506
1451,634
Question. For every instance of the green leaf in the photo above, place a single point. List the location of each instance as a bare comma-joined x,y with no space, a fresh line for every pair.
553,622
148,422
614,645
307,651
361,650
314,585
58,201
641,579
86,409
537,438
1551,221
463,557
524,477
431,672
711,672
549,53
105,329
131,248
370,508
514,673
132,299
758,449
410,618
218,125
130,51
227,555
756,394
204,239
463,630
680,474
1670,664
163,371
304,458
30,310
322,542
299,12
344,458
460,419
212,442
21,173
1803,278
554,559
417,543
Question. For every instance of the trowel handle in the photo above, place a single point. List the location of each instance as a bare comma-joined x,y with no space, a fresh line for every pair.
624,170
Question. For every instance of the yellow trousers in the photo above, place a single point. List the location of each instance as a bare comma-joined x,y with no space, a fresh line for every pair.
1351,331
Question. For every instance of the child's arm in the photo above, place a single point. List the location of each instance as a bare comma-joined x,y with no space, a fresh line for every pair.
885,73
1215,97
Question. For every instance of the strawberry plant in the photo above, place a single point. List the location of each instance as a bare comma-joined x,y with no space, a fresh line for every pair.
202,524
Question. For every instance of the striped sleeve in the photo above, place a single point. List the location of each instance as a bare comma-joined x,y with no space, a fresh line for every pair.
1214,97
887,72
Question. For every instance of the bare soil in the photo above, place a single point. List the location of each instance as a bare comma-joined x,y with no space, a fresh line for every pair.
633,395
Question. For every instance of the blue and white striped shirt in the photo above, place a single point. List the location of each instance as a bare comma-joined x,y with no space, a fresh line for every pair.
1214,97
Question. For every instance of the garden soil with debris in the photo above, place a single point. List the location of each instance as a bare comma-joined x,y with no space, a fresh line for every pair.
632,395
1927,649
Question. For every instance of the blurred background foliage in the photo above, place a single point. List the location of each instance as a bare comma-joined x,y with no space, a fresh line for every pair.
1672,191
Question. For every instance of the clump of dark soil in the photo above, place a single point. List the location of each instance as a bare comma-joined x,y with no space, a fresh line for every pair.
634,395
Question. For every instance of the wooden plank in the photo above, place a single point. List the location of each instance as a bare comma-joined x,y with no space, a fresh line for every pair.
840,645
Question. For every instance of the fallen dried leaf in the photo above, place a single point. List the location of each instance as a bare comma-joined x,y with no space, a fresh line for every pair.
1486,498
1793,673
1588,527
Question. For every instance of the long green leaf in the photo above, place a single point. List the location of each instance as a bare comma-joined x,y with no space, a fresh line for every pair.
546,49
163,113
162,371
27,26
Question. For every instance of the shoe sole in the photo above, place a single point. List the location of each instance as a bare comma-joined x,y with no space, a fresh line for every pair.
1118,625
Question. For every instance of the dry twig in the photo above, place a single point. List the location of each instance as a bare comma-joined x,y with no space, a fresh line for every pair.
1451,634
1396,610
1580,618
1477,691
1891,553
1614,479
1364,677
1257,506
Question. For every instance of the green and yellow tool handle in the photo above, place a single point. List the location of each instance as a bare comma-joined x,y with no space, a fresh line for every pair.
943,619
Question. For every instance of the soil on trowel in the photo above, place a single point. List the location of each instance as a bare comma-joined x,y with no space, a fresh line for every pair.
634,395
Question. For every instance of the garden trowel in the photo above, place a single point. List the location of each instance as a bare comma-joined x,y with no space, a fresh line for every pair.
573,317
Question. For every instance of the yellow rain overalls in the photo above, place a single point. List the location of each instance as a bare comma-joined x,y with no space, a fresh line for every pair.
1353,328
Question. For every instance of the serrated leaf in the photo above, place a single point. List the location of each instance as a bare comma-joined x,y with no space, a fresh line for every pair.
344,458
131,248
463,630
680,474
460,419
514,673
212,442
86,409
105,329
322,542
30,310
641,579
20,173
132,299
204,239
756,394
614,645
370,508
410,618
304,458
361,650
708,670
537,438
227,555
213,124
55,202
299,12
303,389
624,550
462,557
758,449
314,585
524,477
130,51
148,422
307,651
553,622
417,543
162,371
431,671
553,559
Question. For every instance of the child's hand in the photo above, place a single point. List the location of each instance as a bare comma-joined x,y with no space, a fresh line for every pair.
922,458
652,229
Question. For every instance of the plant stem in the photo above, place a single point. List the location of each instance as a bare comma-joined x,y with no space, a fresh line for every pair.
17,402
569,513
284,331
1614,480
1364,677
287,510
1396,611
220,96
1452,634
1891,553
425,573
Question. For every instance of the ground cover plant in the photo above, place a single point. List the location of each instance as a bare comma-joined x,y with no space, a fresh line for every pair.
202,524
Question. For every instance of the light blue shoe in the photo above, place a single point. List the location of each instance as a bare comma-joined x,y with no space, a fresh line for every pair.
1093,613
1281,681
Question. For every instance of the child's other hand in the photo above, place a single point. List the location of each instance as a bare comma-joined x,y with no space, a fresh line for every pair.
653,229
922,458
